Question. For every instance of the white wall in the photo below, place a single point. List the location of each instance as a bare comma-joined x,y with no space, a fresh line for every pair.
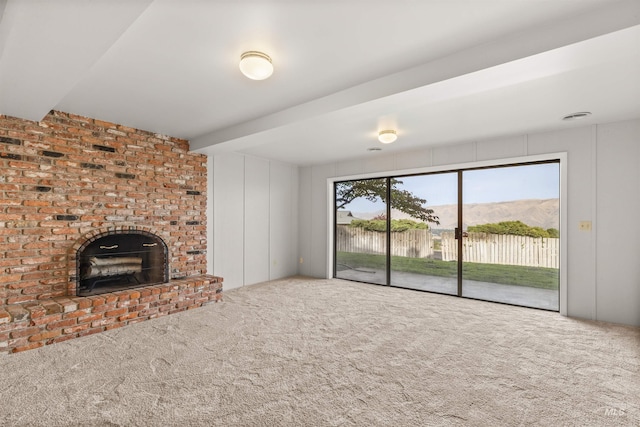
603,187
254,217
618,216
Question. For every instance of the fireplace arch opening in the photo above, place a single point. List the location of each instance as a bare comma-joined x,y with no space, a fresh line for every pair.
121,259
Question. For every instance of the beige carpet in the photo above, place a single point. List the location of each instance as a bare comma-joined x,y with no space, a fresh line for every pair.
304,352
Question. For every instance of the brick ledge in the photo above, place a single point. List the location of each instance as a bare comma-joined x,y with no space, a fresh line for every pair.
29,325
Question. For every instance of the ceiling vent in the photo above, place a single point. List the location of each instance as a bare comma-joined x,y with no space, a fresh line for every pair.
577,116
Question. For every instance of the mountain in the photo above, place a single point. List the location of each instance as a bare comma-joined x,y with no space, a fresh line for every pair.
536,213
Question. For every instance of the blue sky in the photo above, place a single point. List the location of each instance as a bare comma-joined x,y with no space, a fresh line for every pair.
480,186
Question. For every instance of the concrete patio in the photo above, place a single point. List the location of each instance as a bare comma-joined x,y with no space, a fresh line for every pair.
546,299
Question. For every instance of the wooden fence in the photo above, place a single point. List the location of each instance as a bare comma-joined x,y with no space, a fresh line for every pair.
409,243
477,247
503,249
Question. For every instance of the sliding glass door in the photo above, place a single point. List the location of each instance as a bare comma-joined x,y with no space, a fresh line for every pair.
511,245
483,233
361,230
424,209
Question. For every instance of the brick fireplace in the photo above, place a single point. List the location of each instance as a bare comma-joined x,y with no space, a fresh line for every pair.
69,180
116,259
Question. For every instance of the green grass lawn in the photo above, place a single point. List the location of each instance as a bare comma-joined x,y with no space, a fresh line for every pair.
536,277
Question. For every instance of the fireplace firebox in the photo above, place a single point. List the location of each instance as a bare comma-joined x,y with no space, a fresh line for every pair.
121,260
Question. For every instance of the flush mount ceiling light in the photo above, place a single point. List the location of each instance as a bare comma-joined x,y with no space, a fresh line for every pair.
577,116
256,65
387,136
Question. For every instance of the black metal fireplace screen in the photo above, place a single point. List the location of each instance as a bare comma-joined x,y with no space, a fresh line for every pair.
120,261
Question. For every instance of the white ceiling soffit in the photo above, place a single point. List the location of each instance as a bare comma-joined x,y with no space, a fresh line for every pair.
505,51
46,47
601,75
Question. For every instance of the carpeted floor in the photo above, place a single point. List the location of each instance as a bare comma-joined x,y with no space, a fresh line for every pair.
305,352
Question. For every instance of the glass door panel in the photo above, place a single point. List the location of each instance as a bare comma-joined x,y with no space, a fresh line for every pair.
424,215
361,233
511,245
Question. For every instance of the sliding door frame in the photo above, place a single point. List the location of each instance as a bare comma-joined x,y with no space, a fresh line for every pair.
459,167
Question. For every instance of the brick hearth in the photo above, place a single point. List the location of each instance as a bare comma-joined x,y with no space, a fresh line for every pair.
31,325
63,179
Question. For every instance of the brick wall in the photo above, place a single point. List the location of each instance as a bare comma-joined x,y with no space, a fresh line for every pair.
68,175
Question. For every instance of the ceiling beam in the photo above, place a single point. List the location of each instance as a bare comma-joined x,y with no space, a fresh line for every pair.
558,34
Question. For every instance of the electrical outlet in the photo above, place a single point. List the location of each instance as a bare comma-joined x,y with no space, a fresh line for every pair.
301,260
584,225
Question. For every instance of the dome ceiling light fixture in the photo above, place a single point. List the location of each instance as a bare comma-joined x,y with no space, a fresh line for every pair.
256,65
577,116
387,136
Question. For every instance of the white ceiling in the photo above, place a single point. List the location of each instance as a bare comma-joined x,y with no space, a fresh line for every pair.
438,71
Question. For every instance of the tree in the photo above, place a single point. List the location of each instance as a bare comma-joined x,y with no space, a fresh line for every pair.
376,189
515,228
380,224
553,232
